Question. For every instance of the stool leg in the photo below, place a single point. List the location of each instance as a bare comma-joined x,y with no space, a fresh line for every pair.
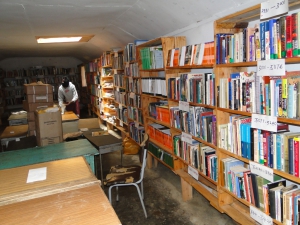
117,189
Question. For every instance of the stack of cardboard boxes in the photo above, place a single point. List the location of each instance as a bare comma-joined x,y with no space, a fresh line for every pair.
45,125
38,95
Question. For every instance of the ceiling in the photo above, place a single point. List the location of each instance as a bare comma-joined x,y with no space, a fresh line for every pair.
113,22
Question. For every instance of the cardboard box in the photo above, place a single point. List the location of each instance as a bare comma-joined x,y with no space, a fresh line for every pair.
69,122
38,89
40,98
30,116
31,107
89,123
48,126
31,125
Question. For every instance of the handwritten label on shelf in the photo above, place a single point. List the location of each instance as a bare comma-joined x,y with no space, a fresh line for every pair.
264,122
274,67
262,171
118,89
187,138
132,95
136,124
260,217
184,106
99,87
273,8
115,71
120,106
116,54
193,172
121,123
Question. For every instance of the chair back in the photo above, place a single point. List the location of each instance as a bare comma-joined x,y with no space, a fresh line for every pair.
143,156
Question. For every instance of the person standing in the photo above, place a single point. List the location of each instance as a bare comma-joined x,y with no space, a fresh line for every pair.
67,95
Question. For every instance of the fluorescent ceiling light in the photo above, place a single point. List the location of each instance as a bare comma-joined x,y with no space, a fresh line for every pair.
58,40
63,39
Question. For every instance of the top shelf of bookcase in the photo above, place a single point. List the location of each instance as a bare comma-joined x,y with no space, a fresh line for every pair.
240,19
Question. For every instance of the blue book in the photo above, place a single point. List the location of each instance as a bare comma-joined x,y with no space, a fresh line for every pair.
247,130
262,40
278,151
291,155
271,36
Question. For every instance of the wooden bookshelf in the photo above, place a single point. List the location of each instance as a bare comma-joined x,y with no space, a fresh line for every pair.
230,203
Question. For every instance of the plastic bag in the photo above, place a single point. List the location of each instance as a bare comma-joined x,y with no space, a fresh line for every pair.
130,147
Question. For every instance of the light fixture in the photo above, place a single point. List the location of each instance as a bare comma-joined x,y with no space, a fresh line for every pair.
63,39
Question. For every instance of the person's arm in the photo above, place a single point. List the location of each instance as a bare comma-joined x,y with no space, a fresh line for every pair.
75,95
60,97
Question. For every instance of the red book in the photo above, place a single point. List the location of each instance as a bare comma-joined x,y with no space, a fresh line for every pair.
247,189
289,48
295,34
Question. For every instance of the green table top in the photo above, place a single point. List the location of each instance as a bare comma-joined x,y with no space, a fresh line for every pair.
47,153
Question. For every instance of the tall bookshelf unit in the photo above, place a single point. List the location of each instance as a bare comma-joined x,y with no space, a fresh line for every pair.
235,207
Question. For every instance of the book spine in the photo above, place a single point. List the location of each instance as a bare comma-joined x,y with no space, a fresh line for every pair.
296,157
294,25
289,46
262,40
282,22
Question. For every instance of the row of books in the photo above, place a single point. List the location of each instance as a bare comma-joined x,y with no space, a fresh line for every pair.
270,39
161,134
92,79
117,62
121,96
134,101
132,70
105,59
269,95
159,111
154,86
196,54
278,150
164,156
198,121
34,71
14,101
94,90
198,155
122,114
278,199
130,50
119,80
135,114
136,133
15,92
152,57
193,87
133,85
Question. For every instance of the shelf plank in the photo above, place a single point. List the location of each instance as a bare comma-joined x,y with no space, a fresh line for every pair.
163,147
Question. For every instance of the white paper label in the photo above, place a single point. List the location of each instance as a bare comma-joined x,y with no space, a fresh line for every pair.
115,71
37,174
130,79
273,8
41,97
264,122
121,123
132,95
186,137
260,217
184,106
136,124
116,54
99,87
120,106
262,171
274,67
193,172
118,89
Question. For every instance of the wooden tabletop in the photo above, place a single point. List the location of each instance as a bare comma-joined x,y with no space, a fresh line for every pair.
69,116
88,205
61,175
102,140
15,131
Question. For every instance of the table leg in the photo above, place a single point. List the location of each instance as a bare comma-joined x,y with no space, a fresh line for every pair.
101,168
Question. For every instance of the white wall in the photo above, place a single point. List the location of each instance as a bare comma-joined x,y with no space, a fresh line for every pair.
27,62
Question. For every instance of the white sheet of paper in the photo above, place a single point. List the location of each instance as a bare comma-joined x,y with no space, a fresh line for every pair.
37,174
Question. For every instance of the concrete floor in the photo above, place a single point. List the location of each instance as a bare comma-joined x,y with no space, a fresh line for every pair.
163,199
